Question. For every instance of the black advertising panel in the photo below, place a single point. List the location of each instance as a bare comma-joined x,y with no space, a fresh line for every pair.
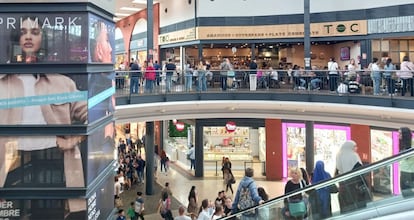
101,147
43,38
101,40
41,99
42,161
101,203
101,99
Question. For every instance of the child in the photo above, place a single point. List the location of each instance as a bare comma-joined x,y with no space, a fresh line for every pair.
121,215
131,212
139,206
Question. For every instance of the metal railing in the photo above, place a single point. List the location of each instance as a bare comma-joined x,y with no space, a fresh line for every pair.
377,83
370,207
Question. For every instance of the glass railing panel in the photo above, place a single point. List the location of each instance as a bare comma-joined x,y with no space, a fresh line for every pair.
371,191
296,81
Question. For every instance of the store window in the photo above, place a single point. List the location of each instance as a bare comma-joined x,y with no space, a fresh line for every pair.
327,141
395,49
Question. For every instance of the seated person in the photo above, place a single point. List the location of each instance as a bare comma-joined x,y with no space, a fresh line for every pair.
354,86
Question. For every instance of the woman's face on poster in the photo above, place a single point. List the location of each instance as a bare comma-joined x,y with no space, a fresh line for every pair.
30,36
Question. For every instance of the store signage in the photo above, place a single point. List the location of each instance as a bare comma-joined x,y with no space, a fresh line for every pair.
343,28
179,126
8,211
108,5
230,126
391,25
177,36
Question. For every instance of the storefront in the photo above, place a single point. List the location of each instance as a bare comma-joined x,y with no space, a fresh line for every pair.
396,38
282,46
328,139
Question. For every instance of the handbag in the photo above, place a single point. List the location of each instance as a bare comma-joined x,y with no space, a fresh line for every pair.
333,189
297,208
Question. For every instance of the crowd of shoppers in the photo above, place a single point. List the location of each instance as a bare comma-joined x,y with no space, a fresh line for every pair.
353,193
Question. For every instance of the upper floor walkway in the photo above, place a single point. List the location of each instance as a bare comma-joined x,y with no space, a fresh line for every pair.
301,97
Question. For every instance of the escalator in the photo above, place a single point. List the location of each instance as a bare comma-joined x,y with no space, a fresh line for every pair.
379,182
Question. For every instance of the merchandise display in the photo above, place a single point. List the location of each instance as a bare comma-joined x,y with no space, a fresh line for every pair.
220,143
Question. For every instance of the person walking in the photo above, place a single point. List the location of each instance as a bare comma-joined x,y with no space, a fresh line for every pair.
164,207
229,179
192,208
247,185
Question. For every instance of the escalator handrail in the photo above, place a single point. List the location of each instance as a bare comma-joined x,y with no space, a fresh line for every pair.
354,173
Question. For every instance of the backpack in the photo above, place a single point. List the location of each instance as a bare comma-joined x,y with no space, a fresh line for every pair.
246,201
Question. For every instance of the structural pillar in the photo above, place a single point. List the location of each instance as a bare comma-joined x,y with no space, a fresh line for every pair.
150,30
199,151
309,148
149,156
200,52
253,51
307,44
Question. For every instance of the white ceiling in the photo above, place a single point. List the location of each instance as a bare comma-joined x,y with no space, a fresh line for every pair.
323,112
124,8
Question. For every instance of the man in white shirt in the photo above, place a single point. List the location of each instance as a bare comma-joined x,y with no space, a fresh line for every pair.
181,215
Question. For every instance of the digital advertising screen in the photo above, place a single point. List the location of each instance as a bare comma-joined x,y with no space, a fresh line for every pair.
42,161
42,99
101,99
101,146
43,38
101,40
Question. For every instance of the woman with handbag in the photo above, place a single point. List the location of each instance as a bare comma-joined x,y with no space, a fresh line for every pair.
229,179
295,206
192,208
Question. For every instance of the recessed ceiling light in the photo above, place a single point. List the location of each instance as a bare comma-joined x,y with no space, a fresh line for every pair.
142,1
122,14
130,9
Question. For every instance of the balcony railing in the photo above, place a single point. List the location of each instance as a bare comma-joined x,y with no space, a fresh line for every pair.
385,84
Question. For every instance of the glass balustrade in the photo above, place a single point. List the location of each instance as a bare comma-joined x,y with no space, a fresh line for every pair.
384,188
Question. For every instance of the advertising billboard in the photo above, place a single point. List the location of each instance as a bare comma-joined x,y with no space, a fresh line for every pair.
42,161
101,146
101,40
101,99
56,38
41,99
43,38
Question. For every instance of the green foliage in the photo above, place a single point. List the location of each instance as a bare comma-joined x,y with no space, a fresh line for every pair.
173,132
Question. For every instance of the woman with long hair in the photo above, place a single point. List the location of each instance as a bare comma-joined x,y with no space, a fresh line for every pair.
192,208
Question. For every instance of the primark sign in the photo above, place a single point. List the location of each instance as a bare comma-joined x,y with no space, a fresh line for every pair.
391,25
